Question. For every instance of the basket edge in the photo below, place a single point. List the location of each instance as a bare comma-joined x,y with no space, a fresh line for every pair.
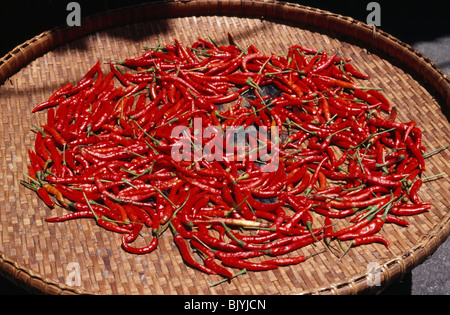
404,264
32,282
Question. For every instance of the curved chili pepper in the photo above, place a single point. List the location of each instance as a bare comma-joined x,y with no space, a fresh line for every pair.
83,84
403,210
350,69
139,250
373,227
352,228
355,203
180,242
371,239
323,65
37,163
332,82
119,75
416,151
99,211
328,230
211,264
55,155
414,189
54,191
45,197
48,104
113,227
216,243
315,176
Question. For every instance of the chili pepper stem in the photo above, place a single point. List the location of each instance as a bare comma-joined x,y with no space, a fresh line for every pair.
426,155
40,130
332,249
227,229
347,250
90,207
164,227
315,254
237,274
433,177
309,227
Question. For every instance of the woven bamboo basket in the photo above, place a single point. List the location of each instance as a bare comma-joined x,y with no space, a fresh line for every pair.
42,257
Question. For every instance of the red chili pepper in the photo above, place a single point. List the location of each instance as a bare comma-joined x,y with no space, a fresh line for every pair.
324,65
301,212
416,152
386,106
356,203
379,180
413,191
241,254
284,261
371,239
48,104
52,190
299,242
216,243
37,163
180,242
350,69
352,228
393,219
139,250
55,155
119,75
100,211
113,227
45,197
211,264
83,84
241,263
373,227
242,205
328,230
72,216
404,210
76,195
332,82
61,91
315,176
119,209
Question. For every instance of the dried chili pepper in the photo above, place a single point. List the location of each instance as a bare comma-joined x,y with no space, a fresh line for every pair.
139,250
371,239
241,263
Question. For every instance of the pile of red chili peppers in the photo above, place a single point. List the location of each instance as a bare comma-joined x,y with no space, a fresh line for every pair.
346,166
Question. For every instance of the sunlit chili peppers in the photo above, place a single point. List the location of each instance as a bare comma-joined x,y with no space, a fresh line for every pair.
106,153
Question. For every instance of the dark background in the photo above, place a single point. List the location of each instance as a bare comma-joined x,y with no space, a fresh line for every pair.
411,21
424,25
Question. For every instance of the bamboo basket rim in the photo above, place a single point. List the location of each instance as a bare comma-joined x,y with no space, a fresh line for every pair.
409,57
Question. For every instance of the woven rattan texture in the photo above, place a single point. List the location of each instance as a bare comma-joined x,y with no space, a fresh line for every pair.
45,257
